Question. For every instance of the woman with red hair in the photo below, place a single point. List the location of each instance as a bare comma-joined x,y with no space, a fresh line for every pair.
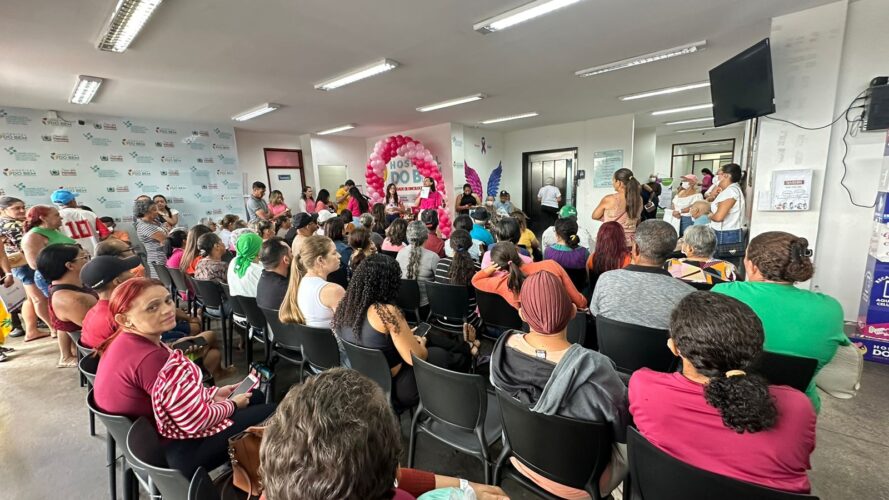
139,376
42,224
611,251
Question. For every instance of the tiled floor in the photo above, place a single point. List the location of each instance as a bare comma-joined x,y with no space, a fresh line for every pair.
46,451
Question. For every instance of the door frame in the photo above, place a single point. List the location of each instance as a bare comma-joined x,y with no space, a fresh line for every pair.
526,171
301,167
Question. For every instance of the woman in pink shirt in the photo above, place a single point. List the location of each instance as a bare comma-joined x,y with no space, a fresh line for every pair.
714,415
357,203
433,200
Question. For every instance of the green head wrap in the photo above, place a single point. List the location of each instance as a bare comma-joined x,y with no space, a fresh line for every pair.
248,245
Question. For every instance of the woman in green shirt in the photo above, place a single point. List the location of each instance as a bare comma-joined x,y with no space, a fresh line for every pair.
796,321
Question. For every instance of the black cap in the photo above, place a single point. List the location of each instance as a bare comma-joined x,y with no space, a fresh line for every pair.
303,219
504,193
101,270
429,217
480,214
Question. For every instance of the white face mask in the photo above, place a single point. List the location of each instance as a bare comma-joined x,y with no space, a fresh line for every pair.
489,203
652,179
684,184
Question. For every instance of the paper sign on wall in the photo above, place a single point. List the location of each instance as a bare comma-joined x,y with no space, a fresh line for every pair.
605,164
791,190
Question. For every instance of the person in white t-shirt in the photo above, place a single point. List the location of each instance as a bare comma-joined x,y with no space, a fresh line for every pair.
727,199
549,197
81,225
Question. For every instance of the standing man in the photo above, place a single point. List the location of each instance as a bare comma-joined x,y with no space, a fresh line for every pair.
257,208
549,197
342,196
81,225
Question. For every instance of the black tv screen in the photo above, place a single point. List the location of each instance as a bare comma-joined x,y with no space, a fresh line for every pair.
742,88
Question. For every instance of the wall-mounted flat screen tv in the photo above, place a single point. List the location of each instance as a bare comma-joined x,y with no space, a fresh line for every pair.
742,87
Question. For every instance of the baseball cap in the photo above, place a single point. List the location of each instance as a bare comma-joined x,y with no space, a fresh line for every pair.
324,216
100,270
567,211
691,177
303,219
480,214
504,193
62,196
429,217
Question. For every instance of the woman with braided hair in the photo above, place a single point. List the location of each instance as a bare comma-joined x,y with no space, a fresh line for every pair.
418,263
796,321
716,416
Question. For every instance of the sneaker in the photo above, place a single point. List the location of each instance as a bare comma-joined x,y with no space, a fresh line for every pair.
18,332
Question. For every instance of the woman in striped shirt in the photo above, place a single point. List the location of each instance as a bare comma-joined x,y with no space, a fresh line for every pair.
459,270
140,376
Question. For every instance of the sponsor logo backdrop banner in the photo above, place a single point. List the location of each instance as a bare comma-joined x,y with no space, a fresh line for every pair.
111,160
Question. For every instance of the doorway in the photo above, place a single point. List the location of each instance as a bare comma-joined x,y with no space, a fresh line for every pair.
538,166
692,157
284,168
331,177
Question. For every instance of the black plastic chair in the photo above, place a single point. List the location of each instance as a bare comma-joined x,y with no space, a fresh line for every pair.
580,278
238,316
182,286
565,450
372,363
784,369
704,287
163,274
319,347
202,487
448,302
496,311
258,327
144,446
82,351
632,347
408,299
285,344
118,426
88,366
655,475
456,409
577,329
389,253
214,299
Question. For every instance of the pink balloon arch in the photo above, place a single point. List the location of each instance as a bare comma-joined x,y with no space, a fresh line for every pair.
420,157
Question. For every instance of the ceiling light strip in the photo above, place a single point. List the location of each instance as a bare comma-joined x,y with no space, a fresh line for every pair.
682,109
85,89
337,129
452,102
693,120
508,118
521,14
126,22
253,113
666,91
643,59
353,76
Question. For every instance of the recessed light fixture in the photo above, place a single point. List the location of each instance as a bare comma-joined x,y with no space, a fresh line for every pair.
358,74
682,109
668,90
126,22
693,120
337,129
253,113
520,14
508,118
84,90
701,129
452,102
643,59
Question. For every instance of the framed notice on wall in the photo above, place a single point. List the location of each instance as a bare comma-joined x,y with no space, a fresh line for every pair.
605,164
791,190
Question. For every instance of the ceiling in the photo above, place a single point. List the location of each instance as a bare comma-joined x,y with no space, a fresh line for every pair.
206,60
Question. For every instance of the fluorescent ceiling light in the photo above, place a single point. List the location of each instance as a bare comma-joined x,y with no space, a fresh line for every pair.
701,129
359,74
84,90
126,22
682,109
693,120
253,113
508,118
520,15
452,102
643,59
668,90
337,129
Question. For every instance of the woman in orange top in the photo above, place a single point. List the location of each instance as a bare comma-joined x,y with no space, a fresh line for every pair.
190,254
505,257
611,251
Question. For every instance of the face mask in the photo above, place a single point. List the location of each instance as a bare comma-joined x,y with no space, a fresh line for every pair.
489,203
652,179
684,185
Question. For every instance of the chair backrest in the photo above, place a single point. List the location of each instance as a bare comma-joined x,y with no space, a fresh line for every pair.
118,426
163,274
145,448
252,312
408,295
75,336
459,399
580,278
577,329
784,369
565,450
83,350
632,346
658,476
88,366
202,487
319,346
389,253
496,311
178,278
210,293
284,336
704,287
451,301
372,363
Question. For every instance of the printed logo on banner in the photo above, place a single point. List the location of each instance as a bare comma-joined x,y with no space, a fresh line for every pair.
19,172
177,187
173,172
107,203
207,159
165,130
132,142
170,159
56,122
54,138
104,172
138,172
75,189
196,172
177,199
152,188
165,144
222,135
211,186
31,191
225,160
97,141
14,119
115,158
118,189
64,172
141,158
134,128
64,156
13,136
232,186
225,172
200,133
105,126
197,146
21,155
224,147
215,211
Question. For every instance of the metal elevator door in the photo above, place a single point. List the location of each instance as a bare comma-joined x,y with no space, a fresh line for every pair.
560,166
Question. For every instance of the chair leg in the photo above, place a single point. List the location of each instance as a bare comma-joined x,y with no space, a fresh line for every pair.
248,346
413,436
130,484
112,467
483,445
92,423
501,460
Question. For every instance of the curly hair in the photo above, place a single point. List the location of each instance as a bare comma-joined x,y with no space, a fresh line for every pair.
397,232
375,283
505,255
417,234
333,436
781,256
462,266
718,334
566,230
191,245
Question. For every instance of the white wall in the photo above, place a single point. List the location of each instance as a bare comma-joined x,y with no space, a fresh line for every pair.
334,150
841,252
252,158
590,136
664,148
483,163
644,147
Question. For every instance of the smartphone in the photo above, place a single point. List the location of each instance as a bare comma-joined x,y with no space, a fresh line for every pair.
422,329
186,345
247,385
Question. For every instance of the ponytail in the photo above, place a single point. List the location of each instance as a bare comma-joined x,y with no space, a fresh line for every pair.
290,311
632,193
566,229
743,401
516,278
505,255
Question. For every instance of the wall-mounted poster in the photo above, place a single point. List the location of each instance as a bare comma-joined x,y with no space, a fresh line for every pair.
605,164
791,190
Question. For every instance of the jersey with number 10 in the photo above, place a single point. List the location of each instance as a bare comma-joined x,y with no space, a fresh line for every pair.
84,227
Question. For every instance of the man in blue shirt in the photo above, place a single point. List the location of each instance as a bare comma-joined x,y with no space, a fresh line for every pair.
479,217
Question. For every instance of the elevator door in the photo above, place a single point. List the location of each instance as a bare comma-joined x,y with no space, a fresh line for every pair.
538,167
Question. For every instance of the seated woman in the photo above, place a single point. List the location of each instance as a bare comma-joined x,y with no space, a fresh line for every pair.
190,256
797,322
508,283
139,376
464,222
459,270
69,300
314,431
211,267
334,230
396,236
714,415
610,253
360,247
699,266
506,229
554,377
244,270
368,316
263,227
310,299
567,250
173,248
418,263
527,239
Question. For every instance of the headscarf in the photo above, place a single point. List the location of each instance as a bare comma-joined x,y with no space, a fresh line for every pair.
545,303
248,246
